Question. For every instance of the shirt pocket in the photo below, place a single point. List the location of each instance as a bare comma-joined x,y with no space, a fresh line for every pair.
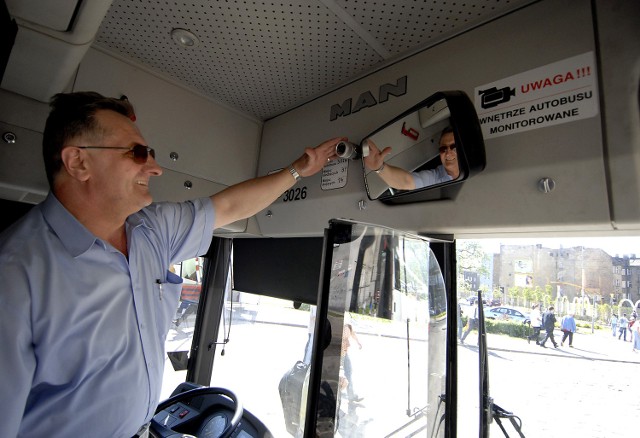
168,295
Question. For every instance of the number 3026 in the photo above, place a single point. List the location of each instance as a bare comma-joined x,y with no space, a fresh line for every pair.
295,194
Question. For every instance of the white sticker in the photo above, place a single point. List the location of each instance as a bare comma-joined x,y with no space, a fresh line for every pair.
561,92
334,174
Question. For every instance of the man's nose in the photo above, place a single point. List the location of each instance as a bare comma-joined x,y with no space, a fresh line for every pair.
153,167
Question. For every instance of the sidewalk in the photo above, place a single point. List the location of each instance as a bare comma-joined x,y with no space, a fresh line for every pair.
600,345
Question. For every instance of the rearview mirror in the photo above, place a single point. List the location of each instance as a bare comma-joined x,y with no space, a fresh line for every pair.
435,144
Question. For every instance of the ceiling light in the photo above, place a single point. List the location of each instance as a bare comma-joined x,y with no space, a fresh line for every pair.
184,37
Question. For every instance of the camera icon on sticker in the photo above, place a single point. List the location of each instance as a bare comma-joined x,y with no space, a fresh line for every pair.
494,97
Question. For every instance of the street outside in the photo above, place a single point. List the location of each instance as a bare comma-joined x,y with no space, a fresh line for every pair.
590,390
587,391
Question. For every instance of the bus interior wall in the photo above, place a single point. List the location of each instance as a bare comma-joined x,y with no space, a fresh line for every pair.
593,161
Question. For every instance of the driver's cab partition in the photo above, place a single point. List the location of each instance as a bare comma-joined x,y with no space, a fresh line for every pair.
380,351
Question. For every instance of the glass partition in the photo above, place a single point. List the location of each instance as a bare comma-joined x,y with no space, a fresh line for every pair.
382,319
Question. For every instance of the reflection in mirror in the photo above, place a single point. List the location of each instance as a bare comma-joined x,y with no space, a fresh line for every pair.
436,143
418,150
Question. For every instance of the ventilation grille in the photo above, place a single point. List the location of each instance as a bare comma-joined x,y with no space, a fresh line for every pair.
266,57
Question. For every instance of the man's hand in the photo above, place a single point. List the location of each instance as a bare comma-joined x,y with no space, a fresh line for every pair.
314,159
245,199
375,158
395,177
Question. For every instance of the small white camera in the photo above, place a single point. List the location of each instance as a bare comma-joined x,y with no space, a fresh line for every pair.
348,150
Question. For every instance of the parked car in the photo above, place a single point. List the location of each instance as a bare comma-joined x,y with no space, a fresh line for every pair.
507,314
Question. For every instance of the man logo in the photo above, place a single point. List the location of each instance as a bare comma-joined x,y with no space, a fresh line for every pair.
366,99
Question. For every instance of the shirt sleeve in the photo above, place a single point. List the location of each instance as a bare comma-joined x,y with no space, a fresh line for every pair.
430,177
185,228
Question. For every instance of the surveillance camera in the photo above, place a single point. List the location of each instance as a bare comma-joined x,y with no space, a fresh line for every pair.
348,150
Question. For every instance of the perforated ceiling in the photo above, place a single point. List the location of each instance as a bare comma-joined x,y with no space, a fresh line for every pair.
264,57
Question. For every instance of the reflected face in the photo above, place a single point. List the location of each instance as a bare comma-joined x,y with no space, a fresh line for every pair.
449,155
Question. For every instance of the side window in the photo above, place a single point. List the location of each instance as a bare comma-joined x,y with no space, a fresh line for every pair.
180,335
264,356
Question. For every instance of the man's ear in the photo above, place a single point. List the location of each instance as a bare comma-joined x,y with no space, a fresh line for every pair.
73,161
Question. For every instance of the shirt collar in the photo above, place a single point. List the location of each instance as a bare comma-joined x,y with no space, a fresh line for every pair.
75,237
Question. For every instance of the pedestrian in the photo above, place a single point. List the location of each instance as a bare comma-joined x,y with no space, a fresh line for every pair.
632,324
536,322
87,273
568,327
636,337
348,337
623,323
549,323
614,325
472,323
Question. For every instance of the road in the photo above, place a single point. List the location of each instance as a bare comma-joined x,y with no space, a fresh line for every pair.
590,390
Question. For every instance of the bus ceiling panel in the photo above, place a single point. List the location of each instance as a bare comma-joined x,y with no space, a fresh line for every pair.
265,57
18,110
59,16
53,36
177,187
619,51
22,175
191,133
542,177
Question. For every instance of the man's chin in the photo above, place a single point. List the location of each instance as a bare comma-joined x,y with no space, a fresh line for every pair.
145,199
453,170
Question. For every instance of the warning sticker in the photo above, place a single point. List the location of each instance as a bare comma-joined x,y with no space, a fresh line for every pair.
557,93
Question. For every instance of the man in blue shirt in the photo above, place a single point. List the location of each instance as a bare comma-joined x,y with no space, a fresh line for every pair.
87,295
402,179
568,327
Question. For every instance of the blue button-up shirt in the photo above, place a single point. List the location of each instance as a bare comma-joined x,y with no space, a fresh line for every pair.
426,178
82,328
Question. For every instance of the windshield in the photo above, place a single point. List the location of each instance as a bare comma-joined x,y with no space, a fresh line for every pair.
551,310
387,306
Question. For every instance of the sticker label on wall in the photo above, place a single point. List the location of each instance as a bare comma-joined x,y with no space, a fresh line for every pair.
561,92
334,174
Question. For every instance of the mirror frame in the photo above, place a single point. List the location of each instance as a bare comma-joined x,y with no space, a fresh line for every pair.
469,145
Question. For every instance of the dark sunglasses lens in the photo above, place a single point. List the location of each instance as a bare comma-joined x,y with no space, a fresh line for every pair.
444,149
141,153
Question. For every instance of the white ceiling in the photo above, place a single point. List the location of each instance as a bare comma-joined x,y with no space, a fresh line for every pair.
265,57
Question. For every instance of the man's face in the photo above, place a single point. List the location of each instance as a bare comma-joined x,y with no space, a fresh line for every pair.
449,155
116,180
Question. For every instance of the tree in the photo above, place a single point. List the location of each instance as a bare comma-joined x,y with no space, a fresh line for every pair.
470,257
514,293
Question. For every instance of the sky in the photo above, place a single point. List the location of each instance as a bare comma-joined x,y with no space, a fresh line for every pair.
611,245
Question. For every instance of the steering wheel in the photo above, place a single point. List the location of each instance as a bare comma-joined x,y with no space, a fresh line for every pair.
188,395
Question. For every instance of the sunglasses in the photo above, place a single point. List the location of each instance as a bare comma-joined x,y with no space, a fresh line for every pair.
444,149
139,152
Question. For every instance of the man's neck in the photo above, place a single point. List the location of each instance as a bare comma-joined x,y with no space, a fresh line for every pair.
101,221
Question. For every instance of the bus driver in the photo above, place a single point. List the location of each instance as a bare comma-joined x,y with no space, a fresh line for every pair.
87,295
401,179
